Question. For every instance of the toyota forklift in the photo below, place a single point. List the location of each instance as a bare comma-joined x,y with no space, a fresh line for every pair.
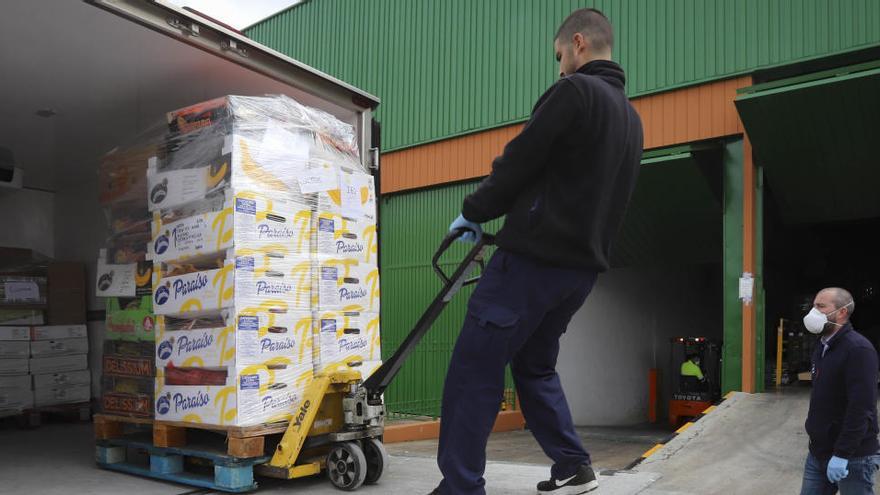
691,396
339,424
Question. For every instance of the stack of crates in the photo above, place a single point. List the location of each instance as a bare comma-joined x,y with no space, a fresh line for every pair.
15,382
43,366
124,278
236,193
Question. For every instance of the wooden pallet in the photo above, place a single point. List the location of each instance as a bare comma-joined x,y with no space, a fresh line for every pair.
225,472
241,441
80,411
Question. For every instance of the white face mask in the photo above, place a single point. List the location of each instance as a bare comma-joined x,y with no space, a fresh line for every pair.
815,320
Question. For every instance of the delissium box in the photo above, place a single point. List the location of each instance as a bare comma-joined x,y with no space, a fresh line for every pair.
248,337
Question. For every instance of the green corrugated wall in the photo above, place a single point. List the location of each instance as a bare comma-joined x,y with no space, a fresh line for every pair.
659,229
446,67
449,67
413,225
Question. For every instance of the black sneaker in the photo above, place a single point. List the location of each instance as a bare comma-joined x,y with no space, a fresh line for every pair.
582,482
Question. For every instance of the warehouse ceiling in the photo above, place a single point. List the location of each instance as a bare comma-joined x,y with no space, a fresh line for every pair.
816,136
78,81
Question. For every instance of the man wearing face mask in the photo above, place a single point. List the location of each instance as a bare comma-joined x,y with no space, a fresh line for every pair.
842,422
563,183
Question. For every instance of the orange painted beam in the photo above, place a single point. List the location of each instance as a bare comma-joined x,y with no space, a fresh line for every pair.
675,117
429,430
748,310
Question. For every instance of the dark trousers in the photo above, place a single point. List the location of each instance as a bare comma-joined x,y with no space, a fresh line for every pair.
517,314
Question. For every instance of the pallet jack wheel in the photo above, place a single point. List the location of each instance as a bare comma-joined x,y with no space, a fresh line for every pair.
347,466
377,459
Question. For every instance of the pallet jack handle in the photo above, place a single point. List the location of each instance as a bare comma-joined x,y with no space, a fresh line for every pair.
447,242
379,381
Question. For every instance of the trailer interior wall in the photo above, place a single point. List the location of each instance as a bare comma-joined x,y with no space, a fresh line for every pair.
624,329
28,220
108,80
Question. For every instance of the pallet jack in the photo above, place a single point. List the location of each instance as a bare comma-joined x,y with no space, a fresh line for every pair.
340,422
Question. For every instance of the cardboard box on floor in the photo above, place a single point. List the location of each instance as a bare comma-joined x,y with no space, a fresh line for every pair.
67,293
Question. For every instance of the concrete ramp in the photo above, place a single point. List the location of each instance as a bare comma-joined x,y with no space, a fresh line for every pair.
752,443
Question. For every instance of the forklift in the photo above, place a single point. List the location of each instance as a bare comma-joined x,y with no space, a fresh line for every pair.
691,396
338,426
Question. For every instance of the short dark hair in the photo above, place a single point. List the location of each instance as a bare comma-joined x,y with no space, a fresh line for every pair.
842,297
592,24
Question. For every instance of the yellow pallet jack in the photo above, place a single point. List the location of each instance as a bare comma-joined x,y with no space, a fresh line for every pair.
341,420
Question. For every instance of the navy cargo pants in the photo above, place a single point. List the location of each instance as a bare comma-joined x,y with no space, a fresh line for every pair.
516,315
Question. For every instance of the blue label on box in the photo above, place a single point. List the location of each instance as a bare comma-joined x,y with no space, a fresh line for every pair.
250,382
246,206
326,225
328,326
249,323
244,263
329,273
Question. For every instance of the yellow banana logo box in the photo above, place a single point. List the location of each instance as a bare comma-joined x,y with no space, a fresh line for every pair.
345,284
250,395
245,220
242,281
343,337
249,337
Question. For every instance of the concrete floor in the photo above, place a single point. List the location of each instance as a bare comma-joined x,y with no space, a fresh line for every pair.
59,459
610,448
750,444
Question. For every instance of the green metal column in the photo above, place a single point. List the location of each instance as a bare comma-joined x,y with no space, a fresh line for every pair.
732,213
760,315
732,352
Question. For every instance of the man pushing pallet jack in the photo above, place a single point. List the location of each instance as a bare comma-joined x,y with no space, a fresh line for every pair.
563,184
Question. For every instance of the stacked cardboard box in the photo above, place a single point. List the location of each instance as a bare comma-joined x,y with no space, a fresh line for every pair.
43,366
59,365
15,382
231,243
238,196
125,280
128,370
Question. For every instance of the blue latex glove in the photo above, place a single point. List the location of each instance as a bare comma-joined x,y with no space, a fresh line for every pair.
463,223
837,469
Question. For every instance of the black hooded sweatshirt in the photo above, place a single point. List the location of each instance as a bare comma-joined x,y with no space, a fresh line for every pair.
564,182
